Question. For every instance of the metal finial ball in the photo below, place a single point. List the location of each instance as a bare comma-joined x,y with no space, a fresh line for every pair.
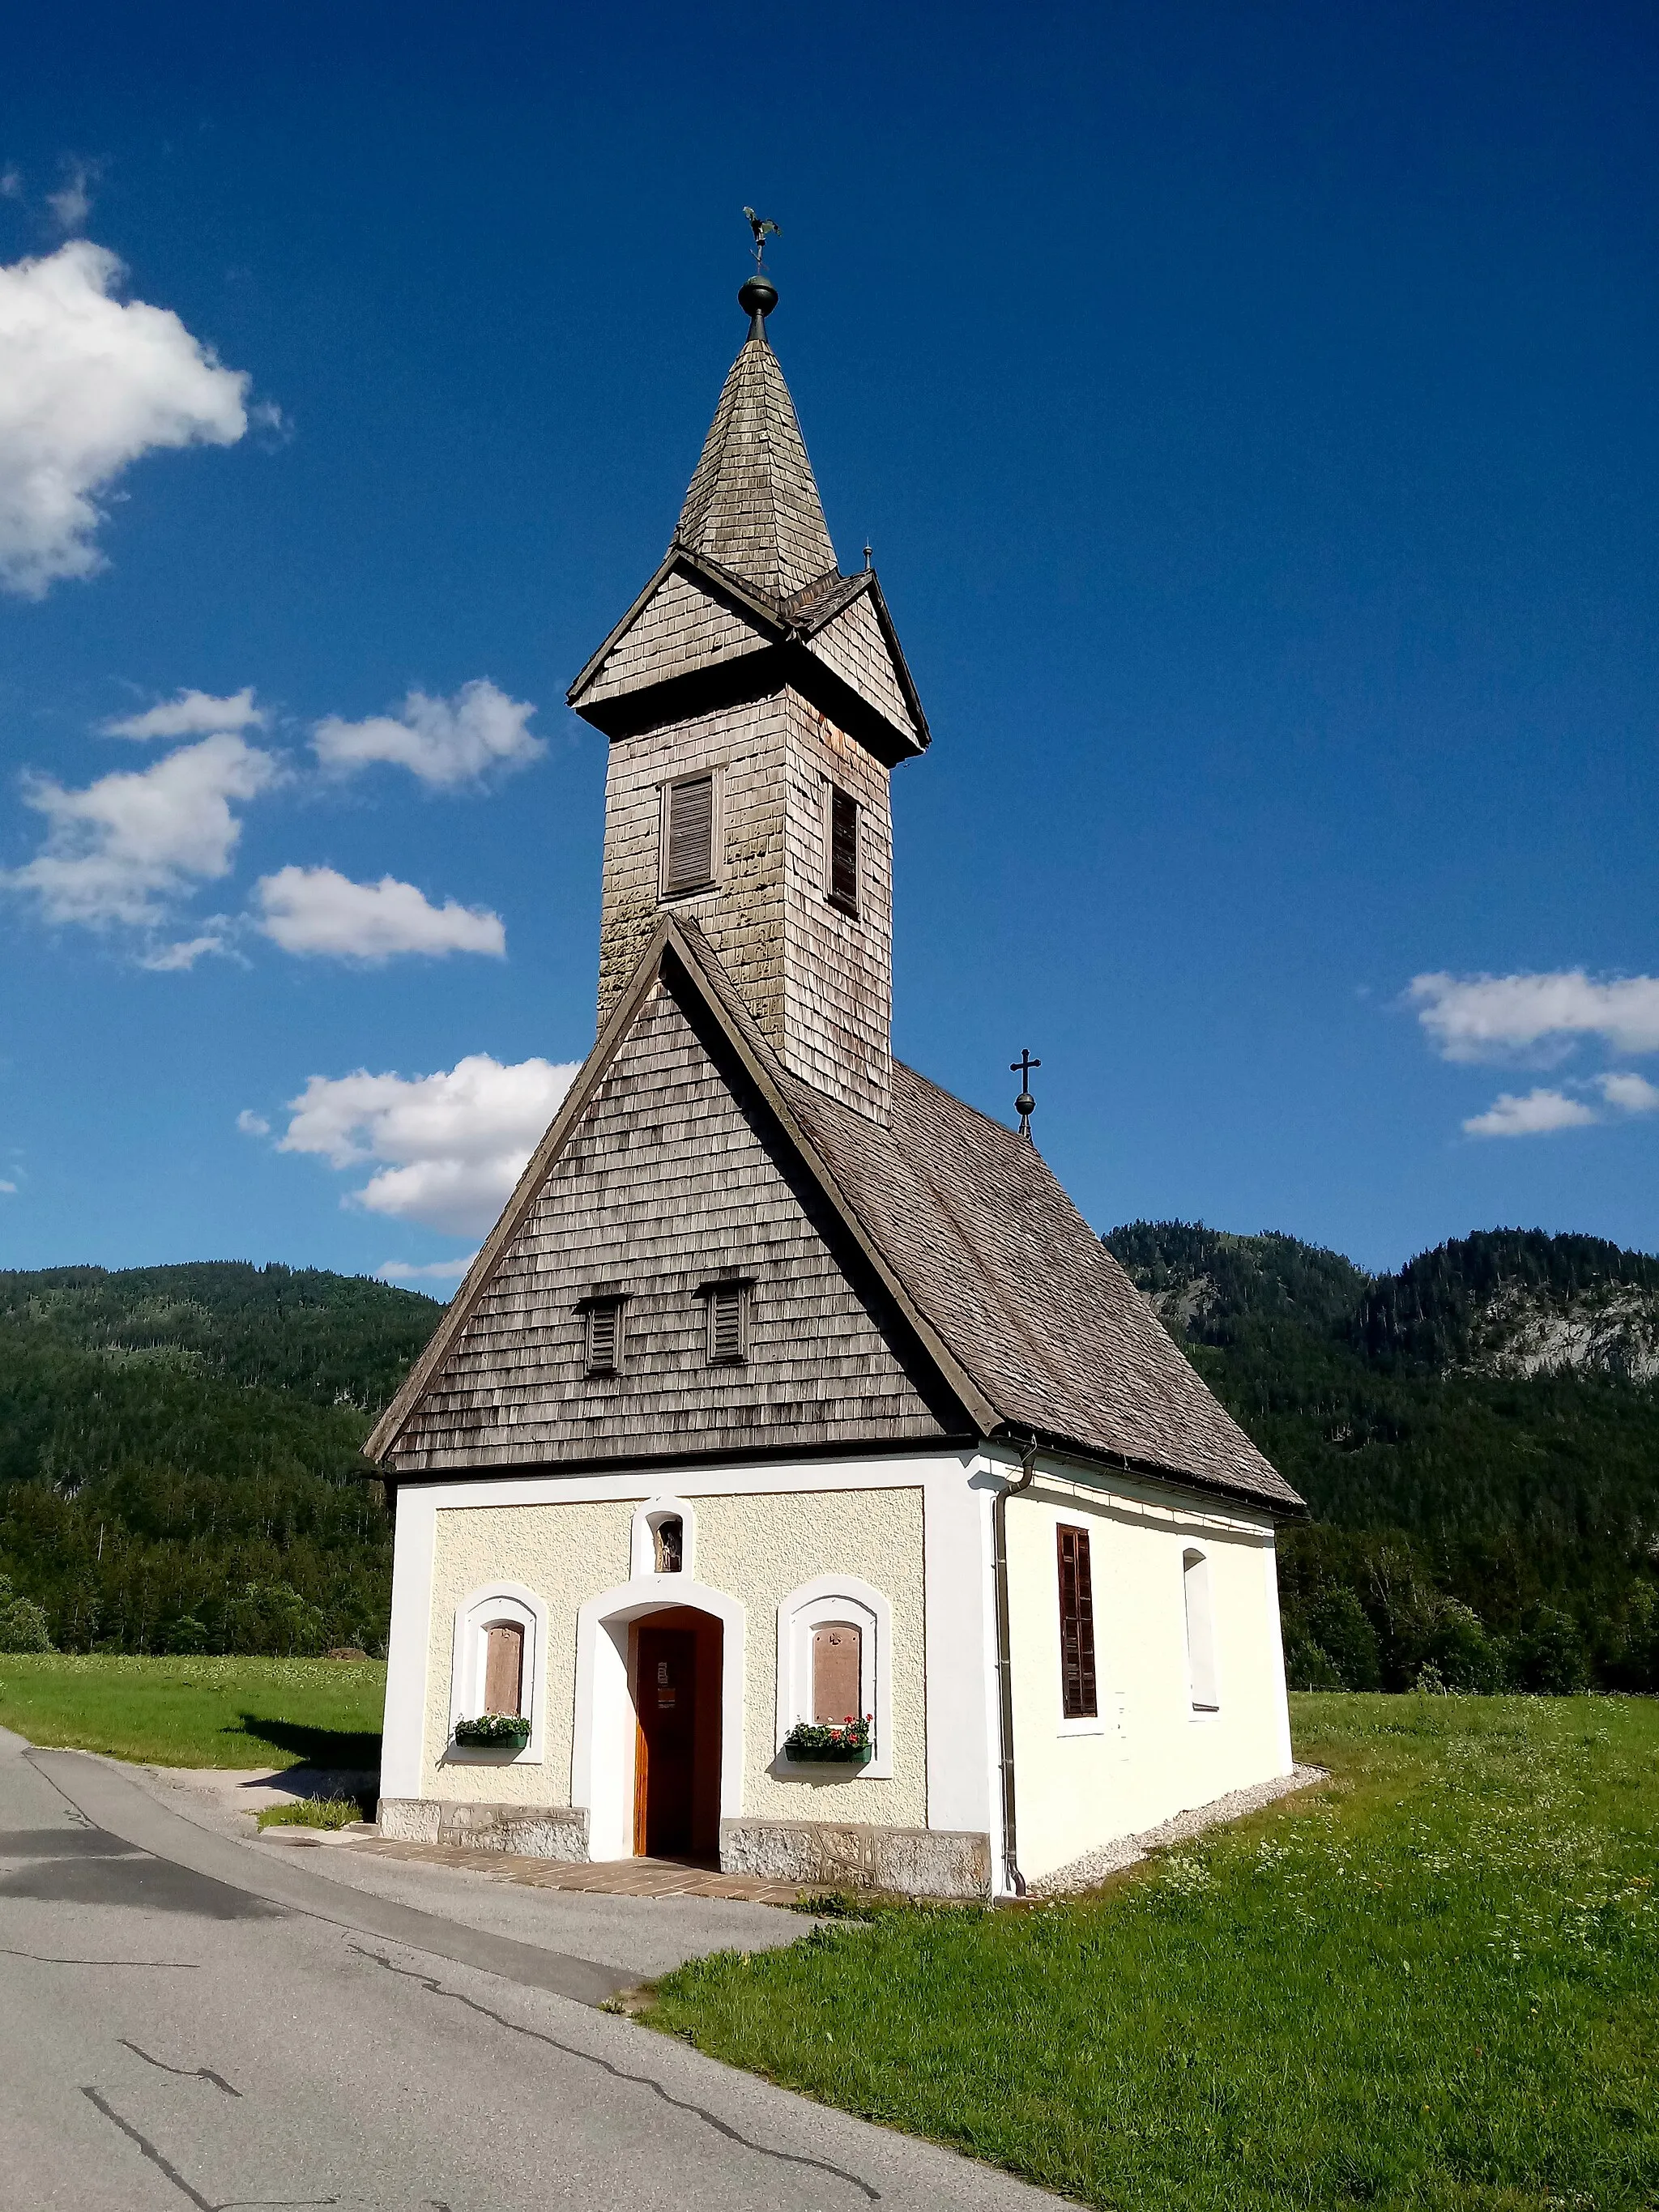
1025,1105
758,296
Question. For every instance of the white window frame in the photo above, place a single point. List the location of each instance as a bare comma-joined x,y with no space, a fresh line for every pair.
642,1541
1092,1723
497,1605
835,1597
1203,1665
716,776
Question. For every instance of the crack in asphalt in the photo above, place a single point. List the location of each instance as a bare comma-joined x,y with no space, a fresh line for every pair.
186,2073
172,1965
619,2074
202,2204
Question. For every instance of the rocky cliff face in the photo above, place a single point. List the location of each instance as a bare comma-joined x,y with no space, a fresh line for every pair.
1525,1330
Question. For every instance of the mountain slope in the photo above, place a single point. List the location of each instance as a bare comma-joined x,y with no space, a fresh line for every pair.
179,1447
1476,1438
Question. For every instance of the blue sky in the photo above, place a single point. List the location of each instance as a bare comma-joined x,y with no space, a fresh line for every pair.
1252,413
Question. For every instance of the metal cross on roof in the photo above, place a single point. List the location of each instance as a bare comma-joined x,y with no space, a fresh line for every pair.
1025,1105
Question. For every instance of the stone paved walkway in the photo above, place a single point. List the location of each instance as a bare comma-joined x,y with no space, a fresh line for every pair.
608,1878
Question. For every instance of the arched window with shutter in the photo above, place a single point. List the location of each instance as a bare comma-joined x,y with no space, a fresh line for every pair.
836,1664
500,1657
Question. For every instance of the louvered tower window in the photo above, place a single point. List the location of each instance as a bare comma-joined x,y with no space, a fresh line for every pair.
843,884
1077,1627
728,1323
688,835
604,1336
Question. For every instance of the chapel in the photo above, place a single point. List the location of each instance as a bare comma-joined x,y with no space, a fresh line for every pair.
795,1482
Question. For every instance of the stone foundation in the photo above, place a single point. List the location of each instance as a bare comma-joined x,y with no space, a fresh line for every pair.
531,1831
833,1855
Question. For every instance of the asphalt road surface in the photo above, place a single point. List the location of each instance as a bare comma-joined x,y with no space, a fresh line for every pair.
186,2021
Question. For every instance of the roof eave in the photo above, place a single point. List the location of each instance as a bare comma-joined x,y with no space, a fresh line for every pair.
1286,1508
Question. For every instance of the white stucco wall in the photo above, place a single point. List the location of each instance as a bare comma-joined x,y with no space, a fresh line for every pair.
761,1547
1148,1755
567,1545
563,1554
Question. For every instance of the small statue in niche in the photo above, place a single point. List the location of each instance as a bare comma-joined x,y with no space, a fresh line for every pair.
669,1535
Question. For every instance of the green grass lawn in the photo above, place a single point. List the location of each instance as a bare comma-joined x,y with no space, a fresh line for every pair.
1434,1984
199,1712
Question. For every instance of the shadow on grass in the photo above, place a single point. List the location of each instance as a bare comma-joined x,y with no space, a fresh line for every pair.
354,1751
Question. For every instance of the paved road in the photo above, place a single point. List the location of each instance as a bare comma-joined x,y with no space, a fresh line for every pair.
184,2020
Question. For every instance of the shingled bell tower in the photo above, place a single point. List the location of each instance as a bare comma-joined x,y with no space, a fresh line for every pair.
757,701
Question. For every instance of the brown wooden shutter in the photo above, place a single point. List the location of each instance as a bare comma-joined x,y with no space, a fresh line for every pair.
837,1661
843,849
1077,1627
689,863
504,1669
727,1333
604,1337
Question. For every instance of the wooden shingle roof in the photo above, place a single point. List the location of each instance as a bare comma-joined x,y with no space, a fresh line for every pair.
1026,1320
753,506
1036,1311
749,597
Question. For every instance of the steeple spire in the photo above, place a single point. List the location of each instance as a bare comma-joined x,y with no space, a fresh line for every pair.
753,506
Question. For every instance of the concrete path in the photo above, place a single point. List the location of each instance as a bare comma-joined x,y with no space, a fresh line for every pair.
640,1936
187,2019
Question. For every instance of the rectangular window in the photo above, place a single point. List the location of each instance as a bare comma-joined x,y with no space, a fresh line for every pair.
843,884
1200,1633
728,1324
504,1669
688,835
837,1668
604,1336
1077,1627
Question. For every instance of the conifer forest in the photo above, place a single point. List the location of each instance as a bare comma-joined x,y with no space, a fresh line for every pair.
1477,1437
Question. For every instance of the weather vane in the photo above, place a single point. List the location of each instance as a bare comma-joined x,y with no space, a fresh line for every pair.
1025,1105
762,230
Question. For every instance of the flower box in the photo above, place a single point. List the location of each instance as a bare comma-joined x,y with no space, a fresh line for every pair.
495,1732
848,1744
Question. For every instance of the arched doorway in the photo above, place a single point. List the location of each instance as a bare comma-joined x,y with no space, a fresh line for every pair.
676,1665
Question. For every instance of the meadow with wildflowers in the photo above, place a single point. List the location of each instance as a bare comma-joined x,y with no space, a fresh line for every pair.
1432,1984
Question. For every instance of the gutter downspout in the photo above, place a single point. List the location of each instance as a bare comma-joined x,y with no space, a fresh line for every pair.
1015,1879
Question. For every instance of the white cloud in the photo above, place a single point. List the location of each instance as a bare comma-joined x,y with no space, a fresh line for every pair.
71,204
1535,1115
451,1145
433,1271
1630,1094
122,849
251,1124
8,1190
191,714
11,183
91,384
1475,1017
318,910
172,959
444,742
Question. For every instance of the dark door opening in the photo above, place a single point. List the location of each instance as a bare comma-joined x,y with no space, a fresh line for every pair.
676,1698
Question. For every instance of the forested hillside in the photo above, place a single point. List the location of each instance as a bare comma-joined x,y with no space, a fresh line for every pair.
179,1463
1477,1436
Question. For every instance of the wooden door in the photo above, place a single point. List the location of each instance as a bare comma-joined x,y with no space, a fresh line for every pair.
665,1699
